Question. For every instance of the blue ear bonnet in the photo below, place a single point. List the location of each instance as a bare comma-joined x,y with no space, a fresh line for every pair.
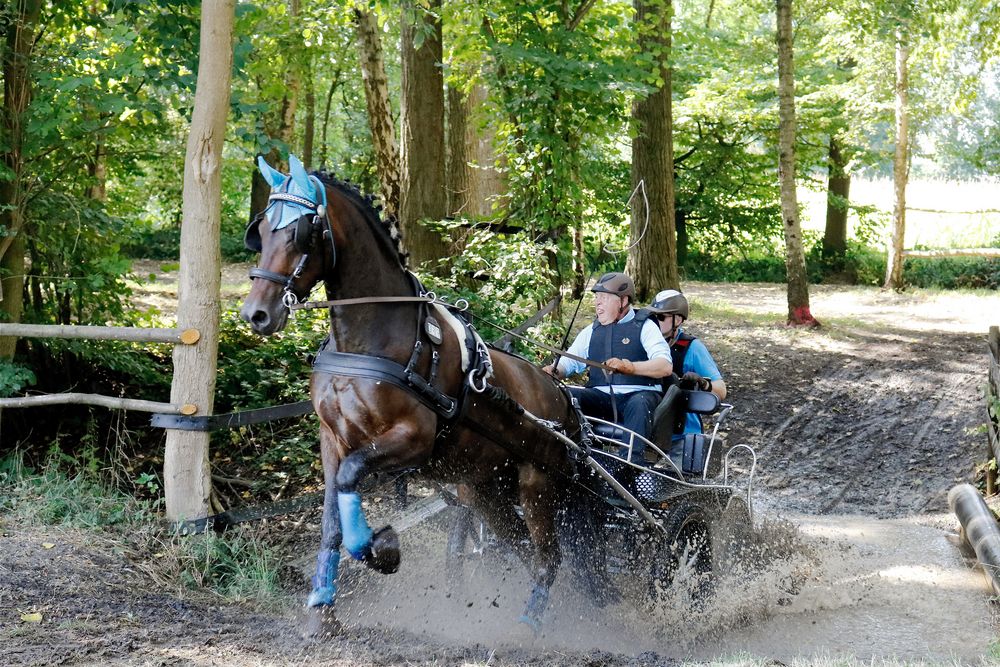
282,211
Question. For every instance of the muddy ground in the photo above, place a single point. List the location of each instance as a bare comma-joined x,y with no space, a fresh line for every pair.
873,415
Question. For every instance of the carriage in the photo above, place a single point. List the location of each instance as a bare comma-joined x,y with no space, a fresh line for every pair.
685,510
404,382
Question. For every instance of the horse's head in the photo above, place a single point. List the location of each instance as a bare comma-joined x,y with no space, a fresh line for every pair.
295,242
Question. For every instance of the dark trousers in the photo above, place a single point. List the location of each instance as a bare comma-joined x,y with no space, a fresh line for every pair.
635,411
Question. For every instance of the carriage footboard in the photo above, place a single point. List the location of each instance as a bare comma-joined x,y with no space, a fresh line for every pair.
599,470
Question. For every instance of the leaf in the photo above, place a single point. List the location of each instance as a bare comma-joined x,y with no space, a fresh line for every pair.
47,545
33,617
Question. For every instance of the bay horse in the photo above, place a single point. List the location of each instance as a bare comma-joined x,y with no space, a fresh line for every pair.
402,384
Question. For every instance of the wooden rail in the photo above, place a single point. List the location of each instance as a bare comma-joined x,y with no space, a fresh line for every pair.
113,402
134,334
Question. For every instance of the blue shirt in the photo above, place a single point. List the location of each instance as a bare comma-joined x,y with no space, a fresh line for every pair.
650,337
699,360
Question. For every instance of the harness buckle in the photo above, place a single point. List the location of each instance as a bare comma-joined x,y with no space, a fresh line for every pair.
288,298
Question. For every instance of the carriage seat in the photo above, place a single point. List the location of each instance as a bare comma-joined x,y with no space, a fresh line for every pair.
668,419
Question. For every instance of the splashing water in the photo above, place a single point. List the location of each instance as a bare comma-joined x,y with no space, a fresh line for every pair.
803,588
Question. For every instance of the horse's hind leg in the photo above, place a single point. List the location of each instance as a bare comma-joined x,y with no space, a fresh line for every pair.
539,504
495,503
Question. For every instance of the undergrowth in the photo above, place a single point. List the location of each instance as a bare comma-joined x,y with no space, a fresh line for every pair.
238,566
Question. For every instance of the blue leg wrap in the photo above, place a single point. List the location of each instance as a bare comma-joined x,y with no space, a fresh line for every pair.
357,534
324,582
532,616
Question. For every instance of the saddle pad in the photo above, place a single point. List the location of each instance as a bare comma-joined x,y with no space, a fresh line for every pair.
461,332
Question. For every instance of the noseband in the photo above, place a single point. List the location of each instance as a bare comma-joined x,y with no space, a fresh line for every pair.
304,233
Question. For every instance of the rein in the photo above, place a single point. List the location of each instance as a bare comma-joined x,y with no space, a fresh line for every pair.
462,306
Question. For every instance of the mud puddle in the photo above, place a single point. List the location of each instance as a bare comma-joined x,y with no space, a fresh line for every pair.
834,586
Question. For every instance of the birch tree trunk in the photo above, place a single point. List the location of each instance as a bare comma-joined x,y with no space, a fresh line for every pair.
422,155
900,162
16,96
379,110
187,477
795,258
652,263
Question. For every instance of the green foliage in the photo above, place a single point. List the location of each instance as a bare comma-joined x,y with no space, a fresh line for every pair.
505,278
66,491
953,272
257,372
237,565
14,378
558,88
77,272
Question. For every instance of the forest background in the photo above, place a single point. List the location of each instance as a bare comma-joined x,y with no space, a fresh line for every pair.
507,137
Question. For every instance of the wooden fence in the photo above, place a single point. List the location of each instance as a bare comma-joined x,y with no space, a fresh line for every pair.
135,334
993,408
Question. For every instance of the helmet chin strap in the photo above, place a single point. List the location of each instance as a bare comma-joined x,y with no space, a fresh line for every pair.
622,309
674,327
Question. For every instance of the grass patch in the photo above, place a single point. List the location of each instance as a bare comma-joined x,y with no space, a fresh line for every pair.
75,499
238,566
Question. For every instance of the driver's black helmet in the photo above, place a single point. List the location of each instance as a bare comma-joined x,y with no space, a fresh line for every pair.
615,283
669,302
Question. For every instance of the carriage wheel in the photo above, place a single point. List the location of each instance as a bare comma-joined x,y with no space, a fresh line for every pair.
688,552
734,537
468,538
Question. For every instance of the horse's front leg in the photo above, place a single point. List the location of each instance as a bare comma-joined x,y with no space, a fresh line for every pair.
321,620
539,504
378,550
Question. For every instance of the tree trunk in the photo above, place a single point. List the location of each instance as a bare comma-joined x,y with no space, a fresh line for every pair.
16,96
652,262
334,84
900,162
260,190
423,195
795,258
680,224
98,172
457,159
187,477
474,183
837,193
379,110
310,130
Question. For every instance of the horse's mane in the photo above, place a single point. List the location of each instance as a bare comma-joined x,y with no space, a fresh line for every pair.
387,229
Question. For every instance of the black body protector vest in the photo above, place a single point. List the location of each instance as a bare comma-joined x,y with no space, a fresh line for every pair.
622,340
679,350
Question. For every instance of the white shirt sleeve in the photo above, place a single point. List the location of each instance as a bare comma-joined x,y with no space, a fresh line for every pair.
652,341
580,348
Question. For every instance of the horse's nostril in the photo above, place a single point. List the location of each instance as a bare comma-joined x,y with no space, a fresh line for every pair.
259,318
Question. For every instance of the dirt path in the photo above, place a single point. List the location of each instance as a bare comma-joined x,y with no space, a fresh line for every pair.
872,417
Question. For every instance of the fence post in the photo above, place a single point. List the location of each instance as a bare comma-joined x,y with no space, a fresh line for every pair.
187,478
993,423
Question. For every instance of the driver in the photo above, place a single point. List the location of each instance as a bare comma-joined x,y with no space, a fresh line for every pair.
631,345
691,359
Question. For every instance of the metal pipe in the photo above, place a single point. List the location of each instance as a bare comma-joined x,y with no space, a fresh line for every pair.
979,528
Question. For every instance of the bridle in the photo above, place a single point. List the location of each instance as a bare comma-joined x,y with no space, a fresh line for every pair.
304,231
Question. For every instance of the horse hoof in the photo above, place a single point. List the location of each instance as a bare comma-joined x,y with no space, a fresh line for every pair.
320,623
384,556
534,624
